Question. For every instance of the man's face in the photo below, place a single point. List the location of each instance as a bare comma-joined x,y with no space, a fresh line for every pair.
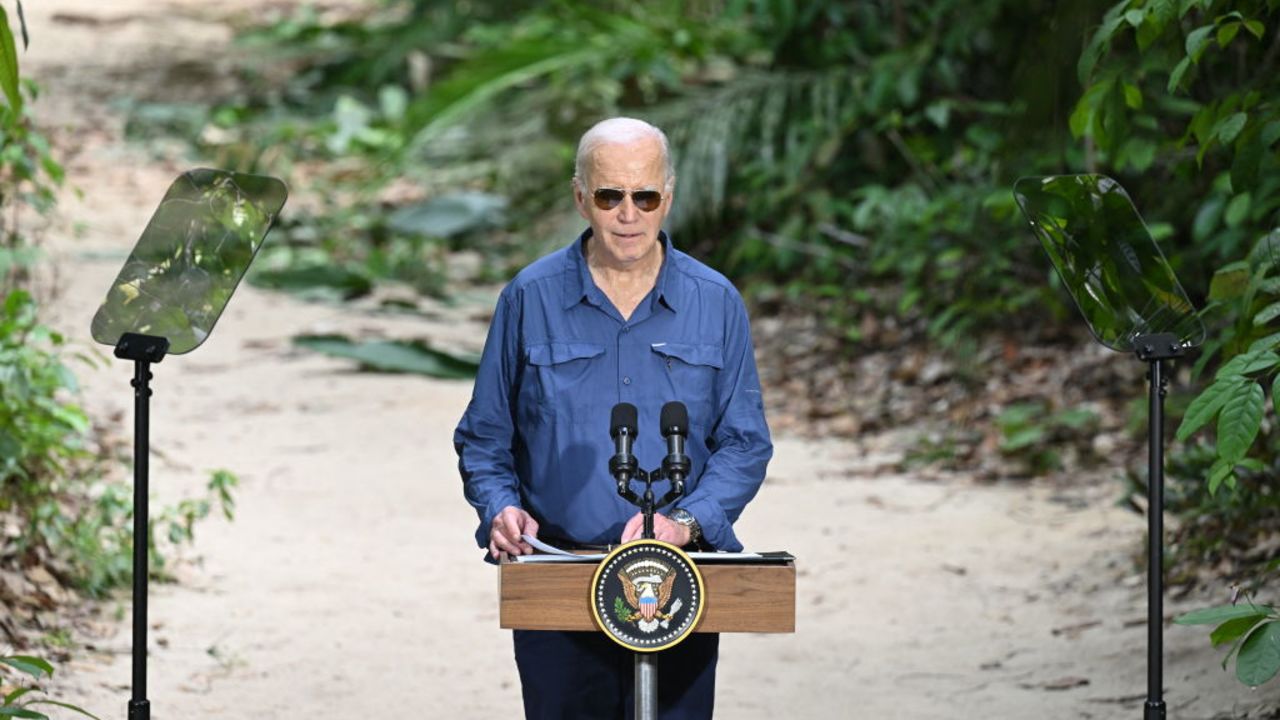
625,234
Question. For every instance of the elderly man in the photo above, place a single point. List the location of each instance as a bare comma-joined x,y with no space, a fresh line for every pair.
619,315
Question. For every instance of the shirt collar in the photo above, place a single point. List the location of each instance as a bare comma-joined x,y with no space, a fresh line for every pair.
580,285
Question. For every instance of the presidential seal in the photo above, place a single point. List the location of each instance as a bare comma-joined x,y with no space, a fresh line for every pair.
647,595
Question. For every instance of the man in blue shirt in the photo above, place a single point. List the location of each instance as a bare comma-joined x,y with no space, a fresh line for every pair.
617,316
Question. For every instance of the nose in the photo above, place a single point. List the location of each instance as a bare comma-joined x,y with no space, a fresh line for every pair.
627,210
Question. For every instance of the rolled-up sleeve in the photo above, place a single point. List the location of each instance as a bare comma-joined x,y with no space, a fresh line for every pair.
485,437
740,443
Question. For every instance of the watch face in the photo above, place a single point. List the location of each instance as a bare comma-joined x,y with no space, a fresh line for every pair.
683,517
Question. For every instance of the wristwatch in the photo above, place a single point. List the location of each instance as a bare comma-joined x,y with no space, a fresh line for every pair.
680,516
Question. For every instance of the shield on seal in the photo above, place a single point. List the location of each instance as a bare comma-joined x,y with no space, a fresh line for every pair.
648,602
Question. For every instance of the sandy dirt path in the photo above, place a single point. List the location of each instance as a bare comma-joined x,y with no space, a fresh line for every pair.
348,585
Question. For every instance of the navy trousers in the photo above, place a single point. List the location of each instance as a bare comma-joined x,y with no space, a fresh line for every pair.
572,675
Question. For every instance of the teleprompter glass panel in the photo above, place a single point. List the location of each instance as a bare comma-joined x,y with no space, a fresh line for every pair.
190,258
1108,260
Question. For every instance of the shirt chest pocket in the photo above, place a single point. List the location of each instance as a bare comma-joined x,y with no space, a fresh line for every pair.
561,372
693,369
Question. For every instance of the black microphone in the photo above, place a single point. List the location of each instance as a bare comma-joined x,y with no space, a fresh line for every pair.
675,428
622,428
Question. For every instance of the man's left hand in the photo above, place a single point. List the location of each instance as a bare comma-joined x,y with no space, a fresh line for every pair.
663,529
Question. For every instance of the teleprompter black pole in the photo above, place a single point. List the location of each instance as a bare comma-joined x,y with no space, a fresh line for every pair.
143,350
1154,708
139,706
1155,350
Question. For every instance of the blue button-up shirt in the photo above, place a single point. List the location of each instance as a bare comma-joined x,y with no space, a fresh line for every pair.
559,356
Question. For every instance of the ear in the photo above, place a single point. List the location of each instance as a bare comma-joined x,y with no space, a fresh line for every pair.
579,199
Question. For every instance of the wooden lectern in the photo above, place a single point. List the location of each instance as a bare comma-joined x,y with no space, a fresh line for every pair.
759,598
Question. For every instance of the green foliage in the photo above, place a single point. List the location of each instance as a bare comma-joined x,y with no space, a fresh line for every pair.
838,171
91,530
49,471
19,701
1185,94
1175,91
1213,527
41,433
29,173
622,612
1029,431
29,177
179,520
1254,635
402,356
315,257
9,63
856,151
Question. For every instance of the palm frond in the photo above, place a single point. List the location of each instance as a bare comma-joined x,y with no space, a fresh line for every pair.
580,38
782,121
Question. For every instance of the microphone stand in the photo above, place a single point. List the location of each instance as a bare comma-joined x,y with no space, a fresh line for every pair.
624,468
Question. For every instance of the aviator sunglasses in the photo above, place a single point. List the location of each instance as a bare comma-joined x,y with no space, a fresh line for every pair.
610,198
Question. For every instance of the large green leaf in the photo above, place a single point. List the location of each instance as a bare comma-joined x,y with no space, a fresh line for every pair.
1206,405
9,63
1227,32
1097,48
1267,314
33,666
1237,210
1249,362
18,712
1229,281
1259,657
326,282
397,356
14,695
1175,77
65,706
1270,342
1197,41
1228,128
1275,394
1239,421
1022,438
480,79
584,37
1222,613
449,215
1235,628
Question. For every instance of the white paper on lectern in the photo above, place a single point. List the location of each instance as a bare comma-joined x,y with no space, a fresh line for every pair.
551,553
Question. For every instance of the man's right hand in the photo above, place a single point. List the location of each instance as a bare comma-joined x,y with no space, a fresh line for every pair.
508,526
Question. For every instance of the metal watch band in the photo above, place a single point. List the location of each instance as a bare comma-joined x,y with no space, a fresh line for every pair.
680,516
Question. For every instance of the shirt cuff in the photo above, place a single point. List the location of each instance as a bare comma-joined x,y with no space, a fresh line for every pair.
717,531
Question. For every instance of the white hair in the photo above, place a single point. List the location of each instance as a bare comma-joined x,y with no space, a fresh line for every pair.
620,131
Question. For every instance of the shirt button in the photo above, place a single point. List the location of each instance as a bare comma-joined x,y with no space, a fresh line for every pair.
626,329
626,381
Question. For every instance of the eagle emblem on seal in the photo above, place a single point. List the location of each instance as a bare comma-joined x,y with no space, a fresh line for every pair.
646,587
